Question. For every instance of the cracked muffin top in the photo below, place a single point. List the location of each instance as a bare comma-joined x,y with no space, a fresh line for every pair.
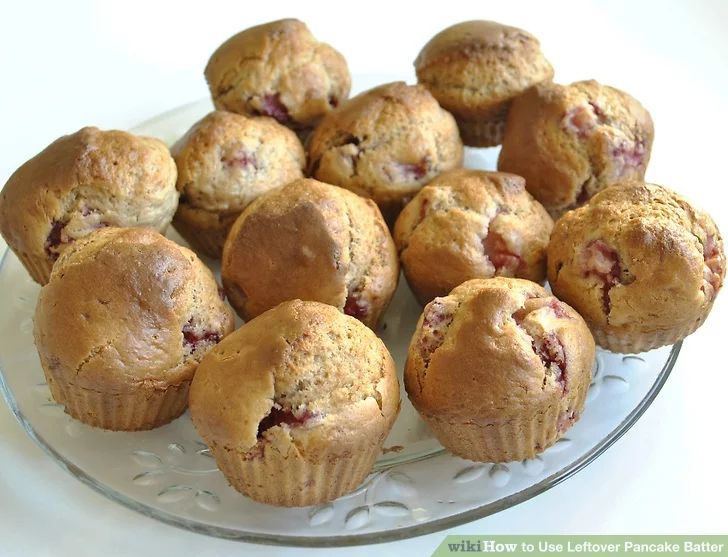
475,68
571,141
496,349
312,241
125,307
385,144
82,182
471,224
280,70
637,259
301,377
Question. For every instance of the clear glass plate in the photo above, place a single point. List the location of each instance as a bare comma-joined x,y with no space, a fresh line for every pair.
416,487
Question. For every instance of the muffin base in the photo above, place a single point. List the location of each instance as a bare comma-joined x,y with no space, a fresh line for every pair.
517,439
291,481
148,408
209,238
486,130
635,343
39,268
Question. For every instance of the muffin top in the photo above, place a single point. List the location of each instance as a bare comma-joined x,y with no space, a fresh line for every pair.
475,65
312,241
495,349
278,69
637,258
570,141
300,377
471,223
385,143
125,307
84,181
226,160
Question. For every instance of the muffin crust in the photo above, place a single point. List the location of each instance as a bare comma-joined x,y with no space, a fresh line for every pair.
224,162
126,315
280,70
82,182
305,390
475,68
385,144
469,224
312,241
571,141
639,263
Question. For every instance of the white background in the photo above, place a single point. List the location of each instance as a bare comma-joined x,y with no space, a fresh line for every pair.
68,64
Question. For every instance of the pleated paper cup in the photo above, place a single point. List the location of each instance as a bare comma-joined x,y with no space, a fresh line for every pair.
290,480
145,409
39,268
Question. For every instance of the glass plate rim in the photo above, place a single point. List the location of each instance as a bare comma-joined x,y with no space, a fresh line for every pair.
347,539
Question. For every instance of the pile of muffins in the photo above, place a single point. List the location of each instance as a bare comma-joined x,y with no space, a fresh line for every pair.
312,201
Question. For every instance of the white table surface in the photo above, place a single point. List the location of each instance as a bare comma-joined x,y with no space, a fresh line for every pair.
69,64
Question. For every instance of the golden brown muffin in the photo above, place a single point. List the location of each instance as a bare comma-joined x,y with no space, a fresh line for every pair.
82,182
385,144
224,162
639,263
296,404
122,324
312,241
499,369
571,141
469,224
475,68
278,69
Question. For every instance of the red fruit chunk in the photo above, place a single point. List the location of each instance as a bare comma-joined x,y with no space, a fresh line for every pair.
505,261
551,351
240,159
413,171
274,107
559,309
355,306
279,417
436,320
628,156
602,261
55,238
194,340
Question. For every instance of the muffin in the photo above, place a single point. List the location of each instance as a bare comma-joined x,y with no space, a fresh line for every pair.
296,404
639,263
499,369
571,141
280,70
475,68
311,241
385,144
122,324
82,182
224,162
469,224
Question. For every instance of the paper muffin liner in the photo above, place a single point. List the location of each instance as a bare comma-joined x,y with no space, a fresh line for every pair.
513,440
39,268
292,481
630,343
487,129
207,240
482,133
145,409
